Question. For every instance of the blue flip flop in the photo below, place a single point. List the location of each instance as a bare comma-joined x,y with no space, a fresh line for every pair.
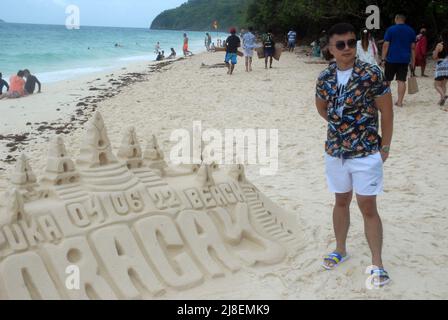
379,274
336,258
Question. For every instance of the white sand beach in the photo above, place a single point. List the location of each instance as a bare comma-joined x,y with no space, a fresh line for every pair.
413,207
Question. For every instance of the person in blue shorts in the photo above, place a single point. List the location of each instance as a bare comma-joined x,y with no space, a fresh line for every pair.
232,44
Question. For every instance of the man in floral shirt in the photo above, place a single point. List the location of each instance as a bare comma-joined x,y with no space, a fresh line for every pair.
349,96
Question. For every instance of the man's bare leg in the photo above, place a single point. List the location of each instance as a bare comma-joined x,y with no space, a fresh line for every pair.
341,223
247,64
401,93
373,227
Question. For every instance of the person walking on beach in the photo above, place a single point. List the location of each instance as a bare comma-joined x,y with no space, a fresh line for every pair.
292,38
3,83
440,55
157,48
248,47
366,49
269,48
232,44
398,53
31,81
185,47
349,96
421,51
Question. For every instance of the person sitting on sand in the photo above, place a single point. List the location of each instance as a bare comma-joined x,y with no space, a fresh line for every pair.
173,54
355,152
269,48
160,56
3,83
16,86
232,44
185,47
31,81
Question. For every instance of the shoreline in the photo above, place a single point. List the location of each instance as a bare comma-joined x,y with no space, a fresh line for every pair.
66,105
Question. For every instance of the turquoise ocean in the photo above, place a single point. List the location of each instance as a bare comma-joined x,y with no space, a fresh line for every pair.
55,53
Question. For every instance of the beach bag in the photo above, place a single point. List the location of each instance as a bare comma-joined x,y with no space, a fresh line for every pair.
412,85
260,52
278,51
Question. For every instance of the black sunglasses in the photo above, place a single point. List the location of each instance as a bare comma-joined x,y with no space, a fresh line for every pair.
340,45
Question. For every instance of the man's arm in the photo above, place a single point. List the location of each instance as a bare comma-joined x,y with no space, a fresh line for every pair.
385,51
385,105
413,55
38,83
322,106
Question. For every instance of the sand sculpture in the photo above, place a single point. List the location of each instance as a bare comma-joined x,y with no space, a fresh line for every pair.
130,225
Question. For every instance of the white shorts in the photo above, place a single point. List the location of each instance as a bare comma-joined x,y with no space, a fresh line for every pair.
364,175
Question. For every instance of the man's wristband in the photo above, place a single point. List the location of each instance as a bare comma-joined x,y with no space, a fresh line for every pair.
385,149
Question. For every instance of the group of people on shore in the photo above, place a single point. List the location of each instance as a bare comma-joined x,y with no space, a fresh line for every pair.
20,85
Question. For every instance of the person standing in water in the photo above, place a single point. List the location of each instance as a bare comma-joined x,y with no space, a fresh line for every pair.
185,47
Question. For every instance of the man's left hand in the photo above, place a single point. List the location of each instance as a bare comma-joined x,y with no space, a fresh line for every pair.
384,155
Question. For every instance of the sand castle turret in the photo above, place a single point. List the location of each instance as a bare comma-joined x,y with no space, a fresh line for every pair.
237,172
23,177
15,207
205,174
130,150
154,155
96,150
60,167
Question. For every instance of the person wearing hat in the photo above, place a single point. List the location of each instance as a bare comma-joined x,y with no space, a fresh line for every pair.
232,44
367,50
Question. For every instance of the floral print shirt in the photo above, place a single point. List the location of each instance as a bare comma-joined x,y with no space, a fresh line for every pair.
355,133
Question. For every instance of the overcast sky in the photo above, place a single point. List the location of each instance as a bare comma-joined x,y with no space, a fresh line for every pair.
117,13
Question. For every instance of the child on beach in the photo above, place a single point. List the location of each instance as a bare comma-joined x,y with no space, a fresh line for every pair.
349,95
16,86
173,54
232,44
3,83
31,82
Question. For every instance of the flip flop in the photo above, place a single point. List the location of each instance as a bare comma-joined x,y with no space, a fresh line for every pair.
336,258
379,274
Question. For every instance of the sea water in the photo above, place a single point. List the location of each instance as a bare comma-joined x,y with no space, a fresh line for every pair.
55,53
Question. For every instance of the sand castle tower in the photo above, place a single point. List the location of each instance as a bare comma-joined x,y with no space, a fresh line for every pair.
130,150
238,173
155,157
205,174
23,177
15,207
60,167
96,150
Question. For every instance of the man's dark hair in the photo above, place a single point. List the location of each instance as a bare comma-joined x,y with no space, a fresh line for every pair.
340,29
1,75
401,16
21,73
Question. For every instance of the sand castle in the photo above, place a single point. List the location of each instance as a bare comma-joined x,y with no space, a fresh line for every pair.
130,225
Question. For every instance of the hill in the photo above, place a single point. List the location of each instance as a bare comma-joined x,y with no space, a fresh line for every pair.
198,15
